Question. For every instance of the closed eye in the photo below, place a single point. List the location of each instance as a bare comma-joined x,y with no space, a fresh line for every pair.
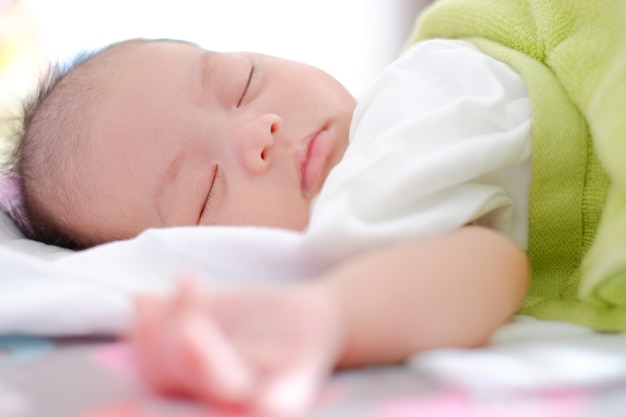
208,199
245,90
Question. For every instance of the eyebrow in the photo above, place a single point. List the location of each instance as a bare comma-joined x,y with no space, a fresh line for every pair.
206,63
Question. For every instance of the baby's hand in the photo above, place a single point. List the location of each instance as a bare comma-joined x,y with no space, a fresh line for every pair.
259,349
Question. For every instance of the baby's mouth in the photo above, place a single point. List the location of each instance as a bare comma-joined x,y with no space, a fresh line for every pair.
311,159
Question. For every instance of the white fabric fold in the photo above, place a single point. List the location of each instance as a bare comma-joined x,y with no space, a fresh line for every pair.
441,140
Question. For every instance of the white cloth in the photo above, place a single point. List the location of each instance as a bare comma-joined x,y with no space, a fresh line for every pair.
531,354
442,140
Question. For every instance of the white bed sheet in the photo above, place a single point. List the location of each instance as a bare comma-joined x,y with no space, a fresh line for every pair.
50,291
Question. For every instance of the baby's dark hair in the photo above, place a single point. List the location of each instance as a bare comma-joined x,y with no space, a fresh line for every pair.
48,143
43,140
51,132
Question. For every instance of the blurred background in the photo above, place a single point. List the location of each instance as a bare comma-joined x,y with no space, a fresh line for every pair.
353,40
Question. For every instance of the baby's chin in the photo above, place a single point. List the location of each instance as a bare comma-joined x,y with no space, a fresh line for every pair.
333,160
294,225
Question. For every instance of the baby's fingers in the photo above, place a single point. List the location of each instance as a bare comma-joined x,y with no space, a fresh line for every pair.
214,369
217,372
181,350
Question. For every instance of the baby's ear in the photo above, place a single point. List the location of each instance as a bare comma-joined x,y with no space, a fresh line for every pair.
9,192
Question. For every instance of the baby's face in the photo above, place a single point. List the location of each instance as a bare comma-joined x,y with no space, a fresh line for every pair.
183,136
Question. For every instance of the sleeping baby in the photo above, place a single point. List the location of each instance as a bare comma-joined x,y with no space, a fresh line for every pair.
417,203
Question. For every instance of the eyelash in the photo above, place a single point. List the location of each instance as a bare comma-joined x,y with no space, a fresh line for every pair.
245,89
208,200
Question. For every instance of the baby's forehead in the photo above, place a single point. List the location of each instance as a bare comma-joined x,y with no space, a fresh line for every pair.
133,45
135,84
119,55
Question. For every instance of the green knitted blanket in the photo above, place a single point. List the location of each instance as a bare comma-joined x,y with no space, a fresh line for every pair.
572,53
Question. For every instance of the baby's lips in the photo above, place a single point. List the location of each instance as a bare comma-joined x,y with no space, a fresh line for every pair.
317,150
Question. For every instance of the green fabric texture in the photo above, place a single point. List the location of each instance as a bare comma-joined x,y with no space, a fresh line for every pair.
572,54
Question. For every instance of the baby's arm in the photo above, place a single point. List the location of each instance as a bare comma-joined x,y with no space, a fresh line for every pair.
448,291
268,348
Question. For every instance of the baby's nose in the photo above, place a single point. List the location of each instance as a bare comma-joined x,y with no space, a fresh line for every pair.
259,141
